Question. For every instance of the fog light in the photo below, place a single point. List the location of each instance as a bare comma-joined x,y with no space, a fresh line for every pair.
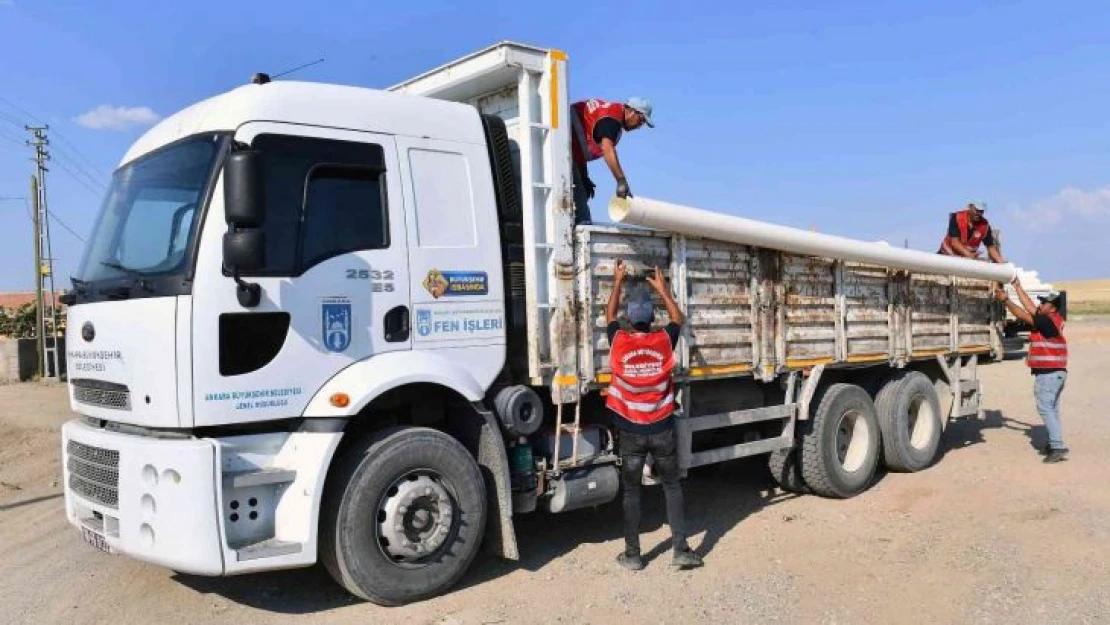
146,504
146,535
340,400
150,475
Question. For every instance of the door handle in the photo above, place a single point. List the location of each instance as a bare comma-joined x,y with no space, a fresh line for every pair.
396,325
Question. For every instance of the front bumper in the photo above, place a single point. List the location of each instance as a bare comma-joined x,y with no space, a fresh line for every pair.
158,503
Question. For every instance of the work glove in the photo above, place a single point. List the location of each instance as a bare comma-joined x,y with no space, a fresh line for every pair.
622,188
590,186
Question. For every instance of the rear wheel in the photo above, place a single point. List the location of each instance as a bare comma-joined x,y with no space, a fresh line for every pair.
909,416
786,471
403,516
840,442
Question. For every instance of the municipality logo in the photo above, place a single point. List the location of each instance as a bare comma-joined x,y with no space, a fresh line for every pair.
335,315
423,322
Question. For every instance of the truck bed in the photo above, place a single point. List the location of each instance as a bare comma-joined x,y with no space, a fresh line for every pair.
758,312
752,311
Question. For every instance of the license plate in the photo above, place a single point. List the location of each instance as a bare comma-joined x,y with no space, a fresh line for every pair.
96,540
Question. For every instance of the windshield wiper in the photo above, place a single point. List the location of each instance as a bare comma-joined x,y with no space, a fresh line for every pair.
118,267
134,273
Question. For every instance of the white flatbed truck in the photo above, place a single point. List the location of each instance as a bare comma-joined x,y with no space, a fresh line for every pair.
328,323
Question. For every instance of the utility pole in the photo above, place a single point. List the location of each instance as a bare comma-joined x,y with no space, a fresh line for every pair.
44,259
39,340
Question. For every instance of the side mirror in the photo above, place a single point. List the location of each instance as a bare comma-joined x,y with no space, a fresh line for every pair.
244,189
245,250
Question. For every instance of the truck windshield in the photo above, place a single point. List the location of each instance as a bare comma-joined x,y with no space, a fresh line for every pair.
148,220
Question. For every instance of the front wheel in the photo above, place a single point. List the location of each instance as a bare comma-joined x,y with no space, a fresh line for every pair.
403,516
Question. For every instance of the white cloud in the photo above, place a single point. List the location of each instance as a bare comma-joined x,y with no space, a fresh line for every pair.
1063,236
108,117
1067,204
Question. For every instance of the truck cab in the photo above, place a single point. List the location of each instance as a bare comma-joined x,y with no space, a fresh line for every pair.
273,268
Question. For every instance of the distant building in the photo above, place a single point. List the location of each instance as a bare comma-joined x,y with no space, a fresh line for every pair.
18,299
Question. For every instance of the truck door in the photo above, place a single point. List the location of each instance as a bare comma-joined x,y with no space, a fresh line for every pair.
335,287
456,278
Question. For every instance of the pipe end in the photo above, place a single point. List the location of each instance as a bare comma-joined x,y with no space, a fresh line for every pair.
619,208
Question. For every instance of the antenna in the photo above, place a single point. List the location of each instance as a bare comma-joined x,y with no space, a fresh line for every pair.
298,68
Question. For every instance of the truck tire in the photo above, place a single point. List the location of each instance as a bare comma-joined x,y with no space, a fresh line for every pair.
909,416
840,442
786,471
403,516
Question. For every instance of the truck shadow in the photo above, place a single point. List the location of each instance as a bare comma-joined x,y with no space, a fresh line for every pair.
966,433
717,499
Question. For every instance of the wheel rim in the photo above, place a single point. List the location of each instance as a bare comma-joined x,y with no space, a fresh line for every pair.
415,518
853,440
921,422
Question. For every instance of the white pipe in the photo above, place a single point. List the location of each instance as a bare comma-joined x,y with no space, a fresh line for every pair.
697,222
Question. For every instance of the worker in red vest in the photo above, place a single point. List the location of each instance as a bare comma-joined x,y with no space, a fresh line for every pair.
642,399
597,126
1047,360
968,229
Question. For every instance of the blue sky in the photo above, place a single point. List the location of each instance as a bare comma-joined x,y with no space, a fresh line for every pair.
867,119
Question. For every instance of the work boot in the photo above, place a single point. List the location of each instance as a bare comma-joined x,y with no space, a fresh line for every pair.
631,561
686,559
1044,451
1056,455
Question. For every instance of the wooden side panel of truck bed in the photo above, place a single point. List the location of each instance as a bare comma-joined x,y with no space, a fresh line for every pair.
762,311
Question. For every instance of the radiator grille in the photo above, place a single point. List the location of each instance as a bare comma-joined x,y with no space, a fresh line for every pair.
93,473
115,398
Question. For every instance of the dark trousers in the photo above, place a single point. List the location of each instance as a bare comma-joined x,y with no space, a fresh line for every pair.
581,196
634,449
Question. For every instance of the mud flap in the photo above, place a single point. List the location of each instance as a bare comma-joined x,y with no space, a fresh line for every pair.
500,538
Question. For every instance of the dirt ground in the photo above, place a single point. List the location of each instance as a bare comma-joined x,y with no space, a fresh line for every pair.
988,535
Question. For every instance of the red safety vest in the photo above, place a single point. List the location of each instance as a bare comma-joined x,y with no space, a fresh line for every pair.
585,117
970,236
1045,353
642,390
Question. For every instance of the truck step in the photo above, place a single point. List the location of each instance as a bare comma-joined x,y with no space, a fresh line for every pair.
741,450
969,386
267,549
258,477
740,417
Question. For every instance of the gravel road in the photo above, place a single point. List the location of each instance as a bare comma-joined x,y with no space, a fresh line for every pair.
988,535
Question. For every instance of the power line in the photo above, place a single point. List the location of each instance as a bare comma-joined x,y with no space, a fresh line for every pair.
67,228
73,176
11,120
76,151
13,140
67,142
58,220
86,174
16,107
